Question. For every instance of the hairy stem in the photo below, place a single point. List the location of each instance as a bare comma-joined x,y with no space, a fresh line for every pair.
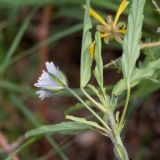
119,149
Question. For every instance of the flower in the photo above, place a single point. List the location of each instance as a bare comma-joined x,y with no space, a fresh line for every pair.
109,29
50,81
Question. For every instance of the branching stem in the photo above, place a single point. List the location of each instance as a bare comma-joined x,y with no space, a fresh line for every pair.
93,101
92,111
111,63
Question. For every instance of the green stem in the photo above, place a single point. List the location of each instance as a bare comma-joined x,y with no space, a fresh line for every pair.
92,111
119,149
125,107
93,101
25,144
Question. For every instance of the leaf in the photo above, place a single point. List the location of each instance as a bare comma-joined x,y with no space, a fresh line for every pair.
77,107
101,97
139,74
94,90
84,121
86,60
63,128
35,122
98,72
131,44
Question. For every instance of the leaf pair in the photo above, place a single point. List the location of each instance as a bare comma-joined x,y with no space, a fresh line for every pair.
87,64
86,59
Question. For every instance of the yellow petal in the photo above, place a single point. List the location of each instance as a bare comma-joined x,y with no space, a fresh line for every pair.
104,35
122,31
91,49
97,17
121,8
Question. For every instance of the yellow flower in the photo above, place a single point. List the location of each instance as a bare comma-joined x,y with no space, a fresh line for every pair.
110,29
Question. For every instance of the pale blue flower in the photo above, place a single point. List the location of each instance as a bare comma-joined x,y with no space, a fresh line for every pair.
50,81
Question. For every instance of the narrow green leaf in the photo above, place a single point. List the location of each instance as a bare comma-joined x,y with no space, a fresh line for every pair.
139,74
63,128
86,60
84,121
131,44
24,145
12,87
98,72
35,122
94,90
17,39
98,93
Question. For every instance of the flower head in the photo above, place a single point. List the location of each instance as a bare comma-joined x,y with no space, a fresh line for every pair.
109,28
50,81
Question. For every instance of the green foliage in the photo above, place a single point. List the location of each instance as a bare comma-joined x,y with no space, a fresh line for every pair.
86,60
17,40
138,75
84,121
95,91
131,44
98,72
63,128
107,119
30,141
36,122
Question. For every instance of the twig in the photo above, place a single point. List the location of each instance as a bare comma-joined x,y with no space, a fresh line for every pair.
8,148
13,145
111,63
148,45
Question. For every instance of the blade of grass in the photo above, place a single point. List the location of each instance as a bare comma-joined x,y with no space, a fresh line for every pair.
51,39
35,122
28,142
17,40
10,86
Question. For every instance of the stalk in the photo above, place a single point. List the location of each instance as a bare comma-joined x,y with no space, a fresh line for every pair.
119,149
125,107
92,111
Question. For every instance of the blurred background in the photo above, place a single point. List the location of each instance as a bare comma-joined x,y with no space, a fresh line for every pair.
35,31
